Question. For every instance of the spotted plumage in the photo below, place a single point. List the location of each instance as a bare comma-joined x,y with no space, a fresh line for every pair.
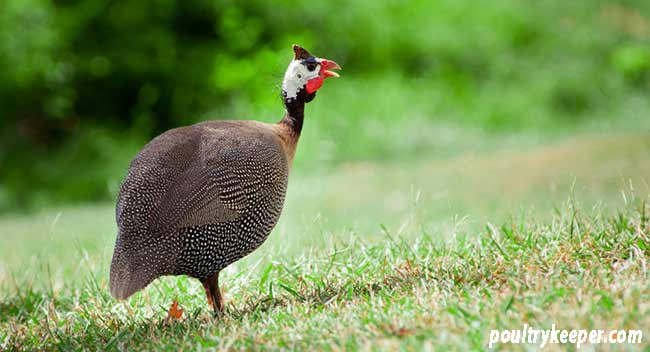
198,198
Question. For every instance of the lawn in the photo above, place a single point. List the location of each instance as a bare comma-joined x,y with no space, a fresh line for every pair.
410,254
474,168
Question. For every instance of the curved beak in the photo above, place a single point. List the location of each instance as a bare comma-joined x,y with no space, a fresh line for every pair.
327,65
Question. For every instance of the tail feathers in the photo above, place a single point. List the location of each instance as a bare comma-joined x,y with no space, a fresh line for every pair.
126,279
133,269
123,289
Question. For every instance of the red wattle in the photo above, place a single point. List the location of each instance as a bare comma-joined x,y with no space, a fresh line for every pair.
314,84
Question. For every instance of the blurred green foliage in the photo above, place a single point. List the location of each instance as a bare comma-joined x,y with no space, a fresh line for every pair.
85,83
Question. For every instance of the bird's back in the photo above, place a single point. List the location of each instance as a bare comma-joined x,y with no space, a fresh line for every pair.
196,199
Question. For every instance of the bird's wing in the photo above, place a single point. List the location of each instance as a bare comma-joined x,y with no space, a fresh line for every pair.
187,178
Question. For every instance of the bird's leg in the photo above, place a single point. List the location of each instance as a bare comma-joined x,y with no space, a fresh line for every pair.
213,293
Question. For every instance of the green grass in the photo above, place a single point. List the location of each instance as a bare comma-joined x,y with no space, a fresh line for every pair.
411,254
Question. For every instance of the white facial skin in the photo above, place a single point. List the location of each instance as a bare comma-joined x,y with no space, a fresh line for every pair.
296,77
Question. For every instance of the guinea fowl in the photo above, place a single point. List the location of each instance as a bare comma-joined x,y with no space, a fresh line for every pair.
198,198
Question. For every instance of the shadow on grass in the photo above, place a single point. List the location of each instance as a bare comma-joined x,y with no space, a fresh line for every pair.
47,325
22,306
402,278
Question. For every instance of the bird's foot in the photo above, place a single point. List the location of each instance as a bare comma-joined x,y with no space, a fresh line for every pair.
217,306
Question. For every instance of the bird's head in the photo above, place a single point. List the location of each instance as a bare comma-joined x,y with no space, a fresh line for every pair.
305,75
